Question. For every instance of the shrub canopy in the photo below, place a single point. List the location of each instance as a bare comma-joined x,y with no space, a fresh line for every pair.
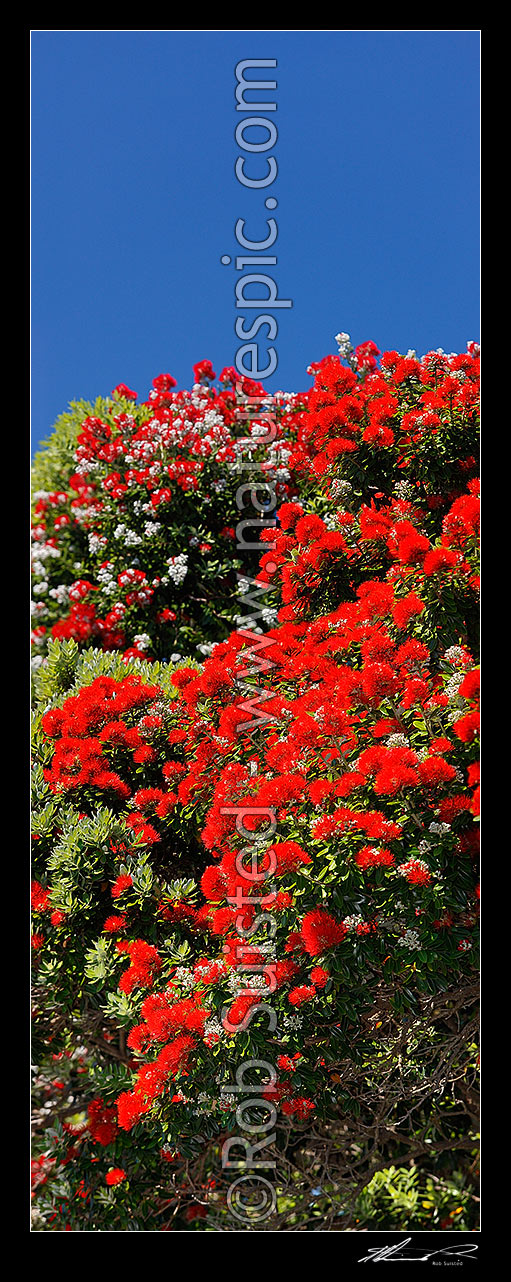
255,815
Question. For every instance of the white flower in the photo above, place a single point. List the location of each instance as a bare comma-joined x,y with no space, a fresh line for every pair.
96,542
456,655
340,489
178,567
410,939
227,1101
352,922
397,741
213,1028
423,847
60,593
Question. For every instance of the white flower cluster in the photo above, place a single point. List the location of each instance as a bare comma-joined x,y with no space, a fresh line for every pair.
397,741
129,537
456,655
142,640
352,922
96,543
341,489
330,521
178,569
106,580
451,688
345,345
184,977
403,490
244,445
212,1029
141,451
259,429
44,552
424,846
441,829
86,465
60,593
410,939
254,983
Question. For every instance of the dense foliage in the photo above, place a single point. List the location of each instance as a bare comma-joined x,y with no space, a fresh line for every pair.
135,516
256,856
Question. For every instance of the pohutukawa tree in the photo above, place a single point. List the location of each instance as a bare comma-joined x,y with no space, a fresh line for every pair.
255,817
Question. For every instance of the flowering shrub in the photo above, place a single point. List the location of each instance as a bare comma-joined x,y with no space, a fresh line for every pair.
134,518
269,857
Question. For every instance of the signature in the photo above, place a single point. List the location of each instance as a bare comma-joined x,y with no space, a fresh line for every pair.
401,1251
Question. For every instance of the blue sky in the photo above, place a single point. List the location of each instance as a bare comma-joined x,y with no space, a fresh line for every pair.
135,199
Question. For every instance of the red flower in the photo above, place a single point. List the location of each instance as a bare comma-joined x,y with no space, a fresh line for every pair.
406,608
39,898
203,372
467,728
113,925
321,931
469,687
122,390
374,857
298,996
416,872
123,882
164,383
102,1123
319,976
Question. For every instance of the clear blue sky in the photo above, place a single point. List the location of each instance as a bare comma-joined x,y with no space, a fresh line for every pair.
134,201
